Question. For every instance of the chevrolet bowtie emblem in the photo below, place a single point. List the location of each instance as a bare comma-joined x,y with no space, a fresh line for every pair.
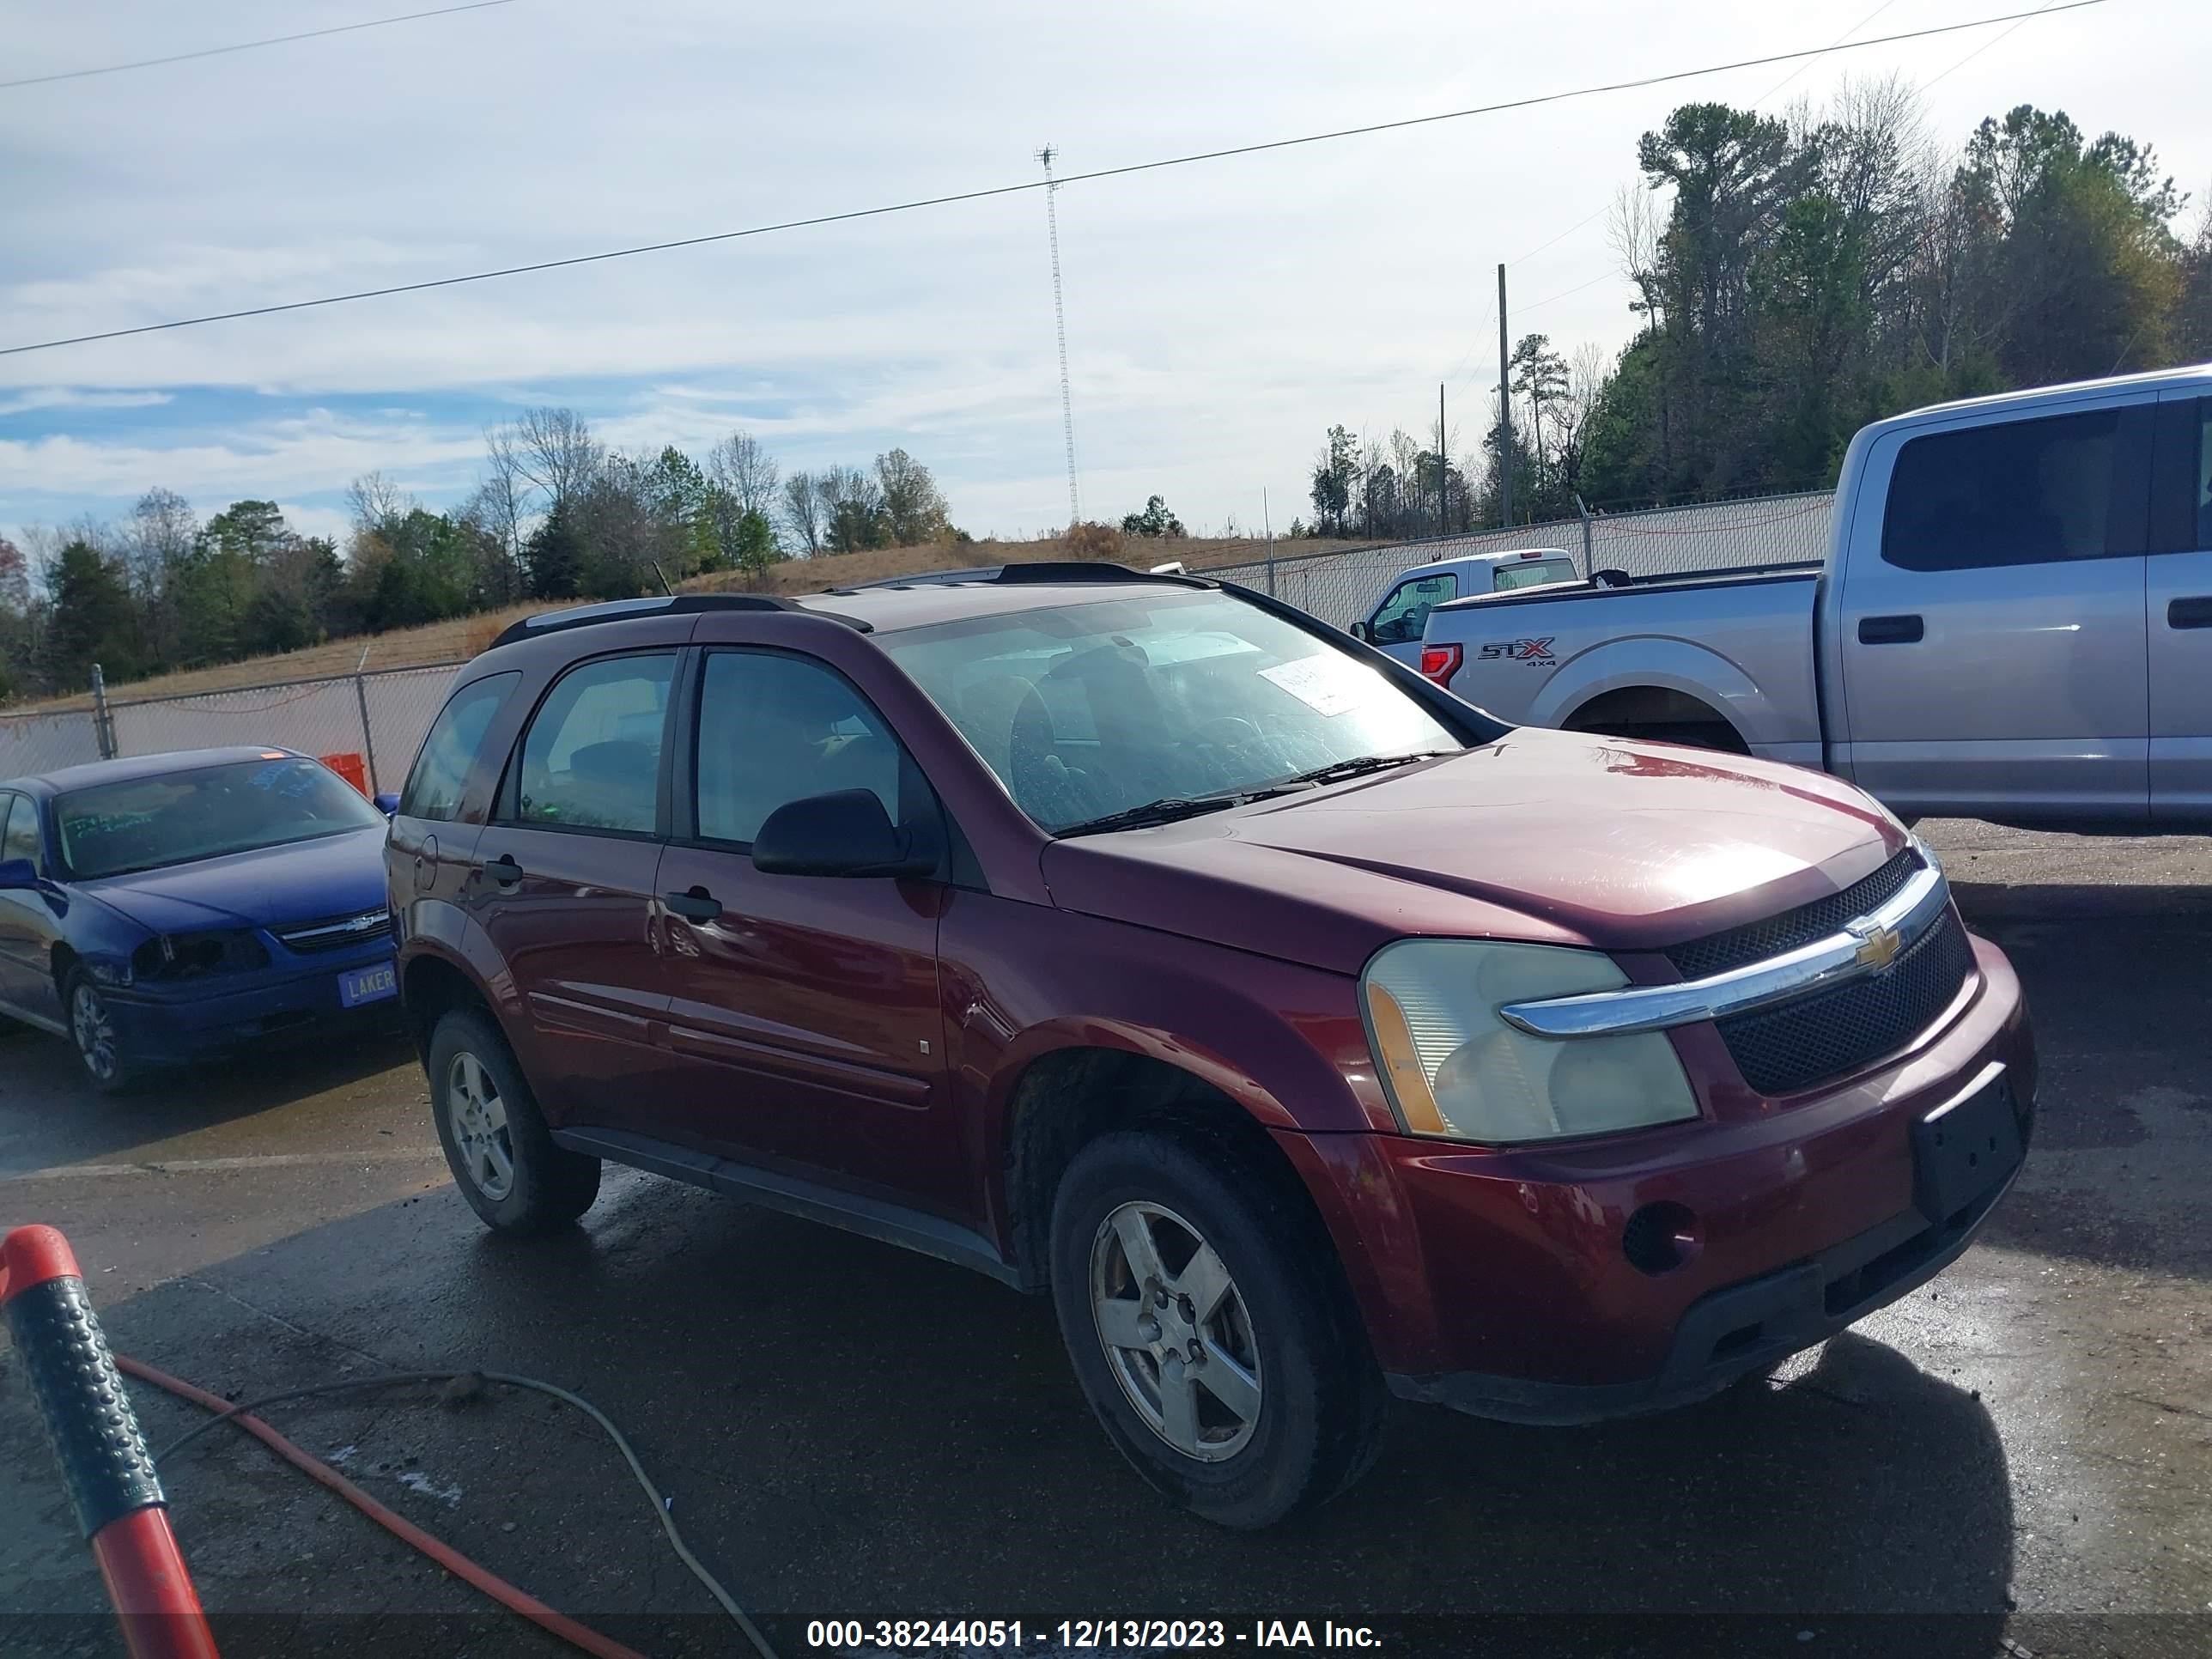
1878,945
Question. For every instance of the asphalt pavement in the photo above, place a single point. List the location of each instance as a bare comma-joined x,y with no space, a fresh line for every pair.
2012,1460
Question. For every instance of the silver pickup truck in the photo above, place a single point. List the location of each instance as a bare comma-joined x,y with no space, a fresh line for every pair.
2014,622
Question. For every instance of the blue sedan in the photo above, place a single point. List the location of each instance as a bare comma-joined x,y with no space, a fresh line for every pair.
168,908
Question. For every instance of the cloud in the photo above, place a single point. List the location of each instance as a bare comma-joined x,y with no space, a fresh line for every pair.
64,397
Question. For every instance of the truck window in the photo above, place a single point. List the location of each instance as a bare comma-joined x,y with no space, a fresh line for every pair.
1405,612
2018,492
1531,573
2181,478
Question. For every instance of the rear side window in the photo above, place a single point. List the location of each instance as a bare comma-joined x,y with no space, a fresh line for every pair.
1405,613
20,840
2181,484
590,759
2021,492
441,770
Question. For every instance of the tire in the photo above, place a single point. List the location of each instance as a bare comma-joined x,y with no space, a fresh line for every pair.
99,1052
496,1143
1284,1334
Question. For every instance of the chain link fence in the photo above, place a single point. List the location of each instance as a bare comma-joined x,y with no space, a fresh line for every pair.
1341,588
369,725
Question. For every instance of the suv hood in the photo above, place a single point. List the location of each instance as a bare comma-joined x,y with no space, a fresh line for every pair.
1555,838
301,881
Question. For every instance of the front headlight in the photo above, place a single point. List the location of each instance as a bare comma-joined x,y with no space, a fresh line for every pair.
1454,1068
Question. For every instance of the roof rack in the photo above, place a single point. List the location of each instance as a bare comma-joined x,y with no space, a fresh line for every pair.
672,605
1055,571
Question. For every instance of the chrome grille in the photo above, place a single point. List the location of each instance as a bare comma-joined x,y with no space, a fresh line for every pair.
1792,930
333,932
1796,1045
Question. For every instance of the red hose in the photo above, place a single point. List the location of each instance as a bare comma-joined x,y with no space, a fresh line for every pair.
444,1554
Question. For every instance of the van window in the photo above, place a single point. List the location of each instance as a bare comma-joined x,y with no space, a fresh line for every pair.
590,759
1402,614
2018,492
441,770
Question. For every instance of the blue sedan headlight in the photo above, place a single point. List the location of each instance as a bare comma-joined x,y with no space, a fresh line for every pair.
189,956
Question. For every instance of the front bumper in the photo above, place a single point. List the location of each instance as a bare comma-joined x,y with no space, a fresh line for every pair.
1500,1282
281,1003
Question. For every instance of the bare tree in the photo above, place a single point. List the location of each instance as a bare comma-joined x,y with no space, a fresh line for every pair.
555,450
743,469
501,500
374,499
803,512
1634,229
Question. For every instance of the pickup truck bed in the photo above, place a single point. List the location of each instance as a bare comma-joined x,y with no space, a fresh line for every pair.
1723,658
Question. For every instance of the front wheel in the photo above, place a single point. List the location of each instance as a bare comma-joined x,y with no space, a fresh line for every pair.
93,1034
497,1145
1210,1327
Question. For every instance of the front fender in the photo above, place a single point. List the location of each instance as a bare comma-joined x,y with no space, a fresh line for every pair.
1673,664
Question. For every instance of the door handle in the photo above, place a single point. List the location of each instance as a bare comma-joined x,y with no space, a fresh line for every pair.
2195,611
504,870
697,905
1890,630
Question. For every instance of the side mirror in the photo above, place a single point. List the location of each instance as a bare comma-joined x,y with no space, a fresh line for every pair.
386,802
847,833
1360,630
18,874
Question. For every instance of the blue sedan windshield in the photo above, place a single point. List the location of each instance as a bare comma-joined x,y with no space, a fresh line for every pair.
115,829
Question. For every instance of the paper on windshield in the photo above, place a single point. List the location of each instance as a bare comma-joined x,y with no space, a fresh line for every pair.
1327,682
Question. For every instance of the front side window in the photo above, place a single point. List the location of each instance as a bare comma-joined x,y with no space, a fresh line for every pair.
590,759
774,728
1088,709
1405,612
441,770
20,838
177,817
2018,492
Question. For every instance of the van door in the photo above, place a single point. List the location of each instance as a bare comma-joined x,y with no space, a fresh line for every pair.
2177,610
1992,641
28,923
1396,625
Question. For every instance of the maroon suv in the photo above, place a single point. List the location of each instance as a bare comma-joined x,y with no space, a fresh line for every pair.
1305,1031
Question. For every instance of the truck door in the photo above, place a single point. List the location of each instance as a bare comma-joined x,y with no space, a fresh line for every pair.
1396,625
1991,629
2177,610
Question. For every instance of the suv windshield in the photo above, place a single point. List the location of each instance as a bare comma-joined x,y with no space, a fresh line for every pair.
112,828
1090,710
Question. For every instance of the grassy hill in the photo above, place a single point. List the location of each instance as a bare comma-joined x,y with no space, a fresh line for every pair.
460,637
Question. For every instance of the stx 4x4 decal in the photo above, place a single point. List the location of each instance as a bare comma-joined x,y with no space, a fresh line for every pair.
1537,651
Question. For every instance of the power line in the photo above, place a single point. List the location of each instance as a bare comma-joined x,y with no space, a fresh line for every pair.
951,197
249,46
1986,45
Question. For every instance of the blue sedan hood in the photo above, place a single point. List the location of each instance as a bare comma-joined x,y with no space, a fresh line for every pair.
302,881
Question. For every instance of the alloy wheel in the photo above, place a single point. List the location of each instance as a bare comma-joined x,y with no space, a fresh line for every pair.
478,1118
1177,1334
95,1033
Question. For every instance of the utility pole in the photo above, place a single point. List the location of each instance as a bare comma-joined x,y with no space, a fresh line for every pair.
1504,416
1444,468
1060,318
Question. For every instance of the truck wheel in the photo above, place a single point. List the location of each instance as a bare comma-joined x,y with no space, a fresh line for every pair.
1210,1328
501,1155
94,1034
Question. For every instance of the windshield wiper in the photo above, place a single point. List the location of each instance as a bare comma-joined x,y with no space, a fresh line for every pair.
1167,809
1357,766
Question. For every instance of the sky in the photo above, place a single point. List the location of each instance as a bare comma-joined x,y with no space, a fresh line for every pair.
1220,316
